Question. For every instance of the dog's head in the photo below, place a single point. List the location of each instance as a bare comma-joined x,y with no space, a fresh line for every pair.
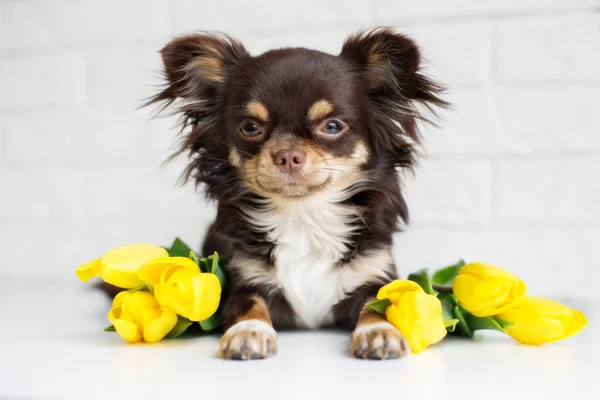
293,122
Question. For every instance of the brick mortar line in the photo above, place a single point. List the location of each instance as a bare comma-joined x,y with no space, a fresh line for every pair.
250,34
141,223
492,15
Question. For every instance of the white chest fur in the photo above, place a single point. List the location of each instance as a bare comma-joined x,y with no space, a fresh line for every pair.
310,238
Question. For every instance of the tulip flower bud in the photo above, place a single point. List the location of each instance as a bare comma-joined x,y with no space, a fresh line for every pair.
485,290
536,320
120,266
181,287
416,314
138,316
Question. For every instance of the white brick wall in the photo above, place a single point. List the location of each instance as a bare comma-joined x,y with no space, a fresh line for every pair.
512,174
35,81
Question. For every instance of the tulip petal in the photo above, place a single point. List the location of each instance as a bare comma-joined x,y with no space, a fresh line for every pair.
161,291
207,295
114,314
398,286
144,300
151,271
127,330
86,271
154,269
398,317
542,307
578,324
121,279
540,331
118,300
426,305
130,258
536,320
429,331
160,327
485,270
485,296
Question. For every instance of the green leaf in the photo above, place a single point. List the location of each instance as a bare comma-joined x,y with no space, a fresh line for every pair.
423,278
380,305
194,257
110,328
216,269
211,323
142,287
446,275
480,323
179,249
448,302
205,265
450,324
221,275
463,327
215,262
503,323
180,327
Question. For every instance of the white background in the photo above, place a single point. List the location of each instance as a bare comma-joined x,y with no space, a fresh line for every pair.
512,176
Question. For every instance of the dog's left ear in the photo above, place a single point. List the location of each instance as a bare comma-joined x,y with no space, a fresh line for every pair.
390,66
196,67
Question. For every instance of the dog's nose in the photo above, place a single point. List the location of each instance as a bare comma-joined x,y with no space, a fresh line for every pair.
289,160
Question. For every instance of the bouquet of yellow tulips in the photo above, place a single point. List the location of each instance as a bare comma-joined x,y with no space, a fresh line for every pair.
463,298
165,290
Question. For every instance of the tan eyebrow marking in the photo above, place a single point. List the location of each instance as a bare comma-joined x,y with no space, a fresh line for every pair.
320,109
258,110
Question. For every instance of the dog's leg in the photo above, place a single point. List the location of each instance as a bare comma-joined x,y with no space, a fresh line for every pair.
377,339
373,336
250,334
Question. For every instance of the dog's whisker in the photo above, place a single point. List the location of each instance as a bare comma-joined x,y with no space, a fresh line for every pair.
210,158
232,146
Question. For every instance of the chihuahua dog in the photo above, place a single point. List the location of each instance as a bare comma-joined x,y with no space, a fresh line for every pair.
302,151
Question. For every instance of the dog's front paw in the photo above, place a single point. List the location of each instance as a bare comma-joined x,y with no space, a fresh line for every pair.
379,341
249,340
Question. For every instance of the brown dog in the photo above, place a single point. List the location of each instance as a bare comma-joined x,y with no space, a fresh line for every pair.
301,151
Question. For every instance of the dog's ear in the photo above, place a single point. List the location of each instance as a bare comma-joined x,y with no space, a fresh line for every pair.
196,67
390,66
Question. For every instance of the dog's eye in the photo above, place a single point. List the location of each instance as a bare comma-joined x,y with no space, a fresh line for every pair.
251,130
332,127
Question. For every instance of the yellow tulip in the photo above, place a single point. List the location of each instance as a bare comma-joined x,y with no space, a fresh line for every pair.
537,320
120,266
416,314
181,287
485,290
138,316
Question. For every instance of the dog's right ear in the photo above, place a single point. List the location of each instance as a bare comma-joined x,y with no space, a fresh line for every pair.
196,67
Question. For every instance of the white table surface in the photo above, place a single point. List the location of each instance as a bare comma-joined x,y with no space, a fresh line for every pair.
52,347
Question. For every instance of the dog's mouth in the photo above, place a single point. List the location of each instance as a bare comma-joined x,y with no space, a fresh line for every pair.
294,185
307,173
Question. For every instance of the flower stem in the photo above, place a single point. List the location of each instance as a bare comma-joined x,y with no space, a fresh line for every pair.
442,288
